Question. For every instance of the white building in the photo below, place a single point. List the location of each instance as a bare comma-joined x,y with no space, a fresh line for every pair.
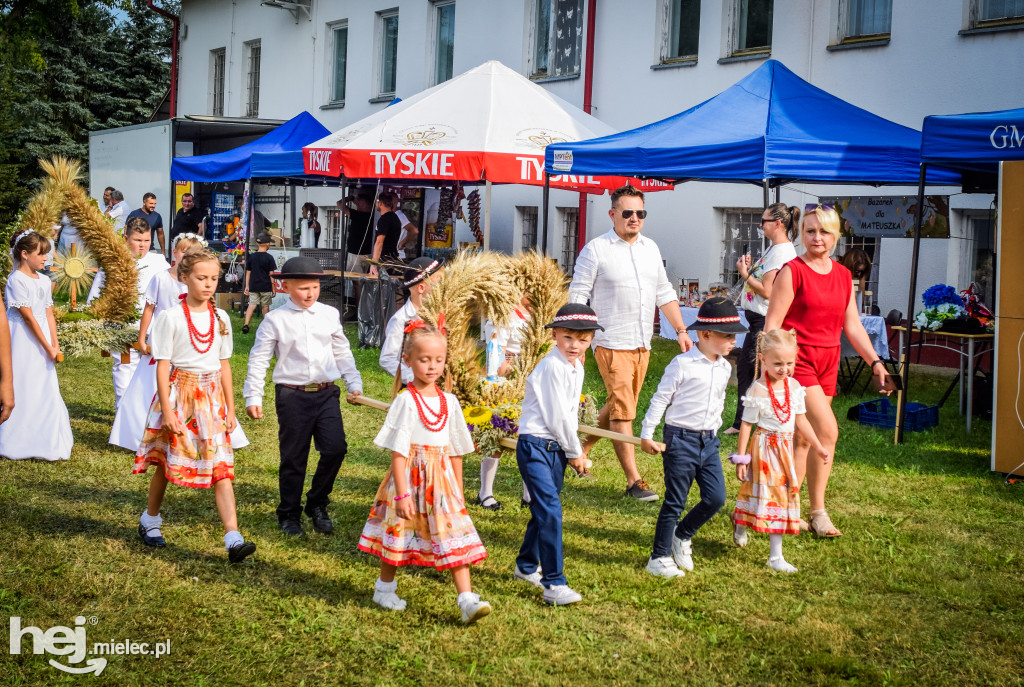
343,59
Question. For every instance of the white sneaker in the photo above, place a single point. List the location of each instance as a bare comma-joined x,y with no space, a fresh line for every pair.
472,607
533,578
560,595
682,553
384,596
664,567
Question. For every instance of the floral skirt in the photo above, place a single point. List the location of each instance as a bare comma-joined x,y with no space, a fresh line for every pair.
770,502
441,535
201,455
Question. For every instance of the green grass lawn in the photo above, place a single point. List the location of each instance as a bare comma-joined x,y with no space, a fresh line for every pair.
924,588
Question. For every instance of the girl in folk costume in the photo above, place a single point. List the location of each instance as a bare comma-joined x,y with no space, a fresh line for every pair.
39,426
190,420
163,293
503,348
769,497
419,514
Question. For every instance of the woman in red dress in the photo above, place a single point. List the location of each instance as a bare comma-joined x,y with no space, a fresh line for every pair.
813,294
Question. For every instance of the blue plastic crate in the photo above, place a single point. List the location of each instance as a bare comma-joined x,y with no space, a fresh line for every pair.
881,413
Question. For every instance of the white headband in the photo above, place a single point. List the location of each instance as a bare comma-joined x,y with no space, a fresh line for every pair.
189,235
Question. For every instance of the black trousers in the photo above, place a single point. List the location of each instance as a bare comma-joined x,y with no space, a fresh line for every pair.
301,416
745,364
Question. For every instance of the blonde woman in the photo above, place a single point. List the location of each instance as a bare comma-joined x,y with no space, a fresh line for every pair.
813,294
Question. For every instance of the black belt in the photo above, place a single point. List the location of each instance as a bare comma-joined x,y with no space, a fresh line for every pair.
316,386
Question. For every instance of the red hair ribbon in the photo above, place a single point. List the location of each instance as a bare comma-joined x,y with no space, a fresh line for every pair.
440,324
414,324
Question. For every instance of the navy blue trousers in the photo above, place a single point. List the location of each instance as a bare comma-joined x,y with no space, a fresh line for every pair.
688,456
542,464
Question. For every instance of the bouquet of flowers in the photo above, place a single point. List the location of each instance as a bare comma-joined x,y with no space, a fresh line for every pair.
942,304
490,425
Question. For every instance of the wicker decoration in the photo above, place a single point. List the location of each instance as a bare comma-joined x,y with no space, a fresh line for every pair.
61,192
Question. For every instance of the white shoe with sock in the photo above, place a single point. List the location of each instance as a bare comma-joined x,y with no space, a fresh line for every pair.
739,535
384,595
775,561
472,607
682,553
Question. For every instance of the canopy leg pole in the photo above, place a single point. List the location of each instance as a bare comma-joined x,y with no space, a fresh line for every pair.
901,401
544,212
487,215
767,197
777,193
343,255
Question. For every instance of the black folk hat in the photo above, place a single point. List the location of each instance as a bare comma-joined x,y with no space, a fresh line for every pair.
718,315
575,316
418,270
300,268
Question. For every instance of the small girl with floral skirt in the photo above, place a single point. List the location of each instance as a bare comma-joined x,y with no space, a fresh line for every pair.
419,514
187,435
769,497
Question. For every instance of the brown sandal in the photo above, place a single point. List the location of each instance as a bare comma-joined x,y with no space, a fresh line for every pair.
821,525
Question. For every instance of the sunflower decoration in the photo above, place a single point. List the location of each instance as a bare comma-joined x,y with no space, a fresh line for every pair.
75,269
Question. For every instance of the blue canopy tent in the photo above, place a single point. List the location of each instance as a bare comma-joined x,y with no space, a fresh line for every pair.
770,128
236,164
972,144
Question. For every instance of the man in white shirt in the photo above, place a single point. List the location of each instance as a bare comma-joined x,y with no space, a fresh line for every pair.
312,352
119,211
139,238
407,239
622,276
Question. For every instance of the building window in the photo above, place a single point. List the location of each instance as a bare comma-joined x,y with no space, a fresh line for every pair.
570,221
977,257
681,30
330,231
742,235
557,38
217,62
865,19
528,223
753,27
444,41
387,53
252,66
995,13
339,61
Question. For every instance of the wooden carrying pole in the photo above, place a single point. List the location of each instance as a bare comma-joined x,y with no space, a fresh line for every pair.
511,443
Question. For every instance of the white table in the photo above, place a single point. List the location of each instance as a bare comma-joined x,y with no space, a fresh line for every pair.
875,327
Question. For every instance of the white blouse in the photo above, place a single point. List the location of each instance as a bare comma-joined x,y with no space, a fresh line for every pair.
25,292
163,292
169,340
757,406
403,427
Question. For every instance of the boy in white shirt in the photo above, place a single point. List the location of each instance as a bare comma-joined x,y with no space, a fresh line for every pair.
548,440
692,390
138,236
417,281
312,352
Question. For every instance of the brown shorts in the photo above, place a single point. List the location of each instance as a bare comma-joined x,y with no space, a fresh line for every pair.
261,298
623,373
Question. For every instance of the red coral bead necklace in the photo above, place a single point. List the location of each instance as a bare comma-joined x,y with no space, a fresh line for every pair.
781,408
196,338
436,420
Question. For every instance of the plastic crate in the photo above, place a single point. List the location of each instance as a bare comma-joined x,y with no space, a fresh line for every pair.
881,413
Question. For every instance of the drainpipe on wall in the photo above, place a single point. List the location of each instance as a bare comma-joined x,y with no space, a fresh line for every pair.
174,53
588,101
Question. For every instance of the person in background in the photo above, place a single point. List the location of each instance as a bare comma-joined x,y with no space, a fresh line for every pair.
407,241
359,210
119,211
107,202
623,277
258,286
389,229
779,224
310,213
188,219
156,222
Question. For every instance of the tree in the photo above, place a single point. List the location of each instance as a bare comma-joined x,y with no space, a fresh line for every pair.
68,67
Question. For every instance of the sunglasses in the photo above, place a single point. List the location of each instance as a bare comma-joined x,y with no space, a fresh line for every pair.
811,207
640,214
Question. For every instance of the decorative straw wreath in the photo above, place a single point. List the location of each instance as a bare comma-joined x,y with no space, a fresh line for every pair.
101,325
483,285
